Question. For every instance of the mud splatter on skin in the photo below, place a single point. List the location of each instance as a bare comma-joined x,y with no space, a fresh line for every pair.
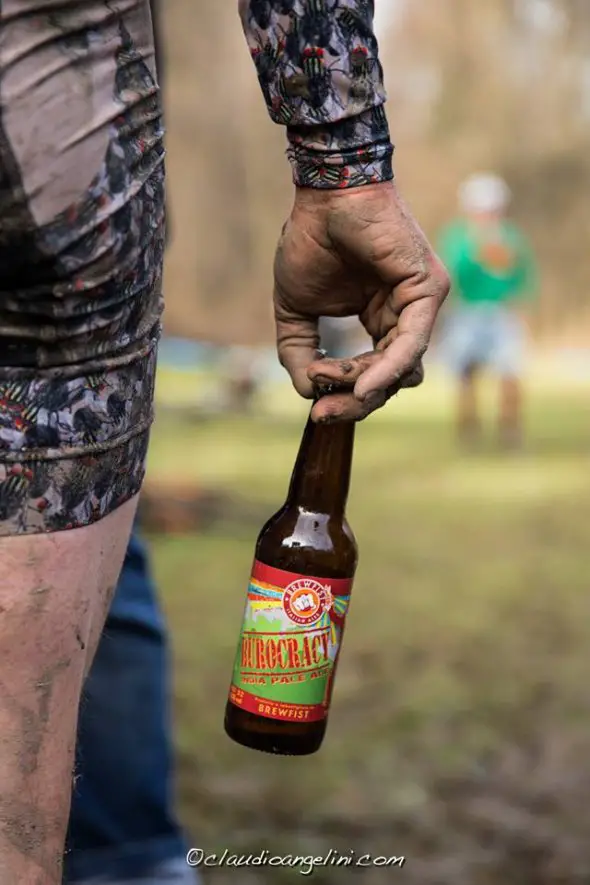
108,598
40,597
32,832
34,722
24,826
29,831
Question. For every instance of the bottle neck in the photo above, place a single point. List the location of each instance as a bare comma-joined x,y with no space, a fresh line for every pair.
321,476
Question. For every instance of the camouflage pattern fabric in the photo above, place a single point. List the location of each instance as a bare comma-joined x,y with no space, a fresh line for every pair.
81,247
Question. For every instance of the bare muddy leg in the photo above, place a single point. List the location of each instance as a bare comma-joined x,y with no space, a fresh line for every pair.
54,594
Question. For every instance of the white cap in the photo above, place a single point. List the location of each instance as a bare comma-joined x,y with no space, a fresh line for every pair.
484,192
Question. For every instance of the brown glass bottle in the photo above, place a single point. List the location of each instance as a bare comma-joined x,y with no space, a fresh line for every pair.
308,538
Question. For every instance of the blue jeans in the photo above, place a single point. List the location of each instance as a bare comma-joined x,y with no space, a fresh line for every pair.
122,824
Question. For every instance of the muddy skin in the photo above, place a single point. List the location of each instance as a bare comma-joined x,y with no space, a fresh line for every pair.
39,595
28,831
34,723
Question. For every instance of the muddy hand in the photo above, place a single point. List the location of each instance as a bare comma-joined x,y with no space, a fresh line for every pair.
355,252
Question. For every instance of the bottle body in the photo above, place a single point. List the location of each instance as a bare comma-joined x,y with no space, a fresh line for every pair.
297,601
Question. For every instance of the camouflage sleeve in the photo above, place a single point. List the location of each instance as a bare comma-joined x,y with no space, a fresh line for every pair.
318,66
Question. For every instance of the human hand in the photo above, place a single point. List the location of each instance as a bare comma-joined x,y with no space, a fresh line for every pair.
358,252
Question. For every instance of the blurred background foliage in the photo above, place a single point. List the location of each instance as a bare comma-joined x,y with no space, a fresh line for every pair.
502,84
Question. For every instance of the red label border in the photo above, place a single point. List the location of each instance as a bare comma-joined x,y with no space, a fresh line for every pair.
280,578
252,703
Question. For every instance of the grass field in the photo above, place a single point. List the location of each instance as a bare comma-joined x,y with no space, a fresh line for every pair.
460,729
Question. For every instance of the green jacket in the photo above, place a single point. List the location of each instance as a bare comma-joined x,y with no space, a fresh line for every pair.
494,266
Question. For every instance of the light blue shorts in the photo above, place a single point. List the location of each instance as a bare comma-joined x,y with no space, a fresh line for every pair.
487,335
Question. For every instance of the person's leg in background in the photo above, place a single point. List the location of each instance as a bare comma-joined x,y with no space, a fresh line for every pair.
468,423
122,825
510,420
464,349
507,360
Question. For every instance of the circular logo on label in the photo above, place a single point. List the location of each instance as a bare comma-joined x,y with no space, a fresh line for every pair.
305,601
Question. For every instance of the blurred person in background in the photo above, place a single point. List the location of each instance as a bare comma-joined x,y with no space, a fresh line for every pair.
493,275
337,335
123,827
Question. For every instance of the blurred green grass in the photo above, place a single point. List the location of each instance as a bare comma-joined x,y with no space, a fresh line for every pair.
460,729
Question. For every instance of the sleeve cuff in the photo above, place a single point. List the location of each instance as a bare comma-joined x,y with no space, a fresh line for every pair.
349,153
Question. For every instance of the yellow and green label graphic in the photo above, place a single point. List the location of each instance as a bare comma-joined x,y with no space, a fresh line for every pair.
288,650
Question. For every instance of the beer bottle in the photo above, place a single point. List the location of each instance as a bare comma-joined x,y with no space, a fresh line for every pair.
297,600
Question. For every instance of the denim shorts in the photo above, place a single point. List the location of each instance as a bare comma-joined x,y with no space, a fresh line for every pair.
486,335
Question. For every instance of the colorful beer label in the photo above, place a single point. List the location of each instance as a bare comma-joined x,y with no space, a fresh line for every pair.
291,634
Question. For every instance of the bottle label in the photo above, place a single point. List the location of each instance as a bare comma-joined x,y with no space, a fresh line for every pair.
291,635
